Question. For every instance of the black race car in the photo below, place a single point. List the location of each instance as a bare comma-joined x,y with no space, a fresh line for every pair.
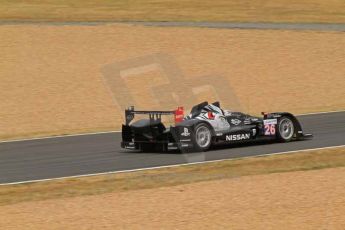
206,125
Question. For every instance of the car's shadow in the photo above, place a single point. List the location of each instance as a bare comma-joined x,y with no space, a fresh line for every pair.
150,152
242,145
218,147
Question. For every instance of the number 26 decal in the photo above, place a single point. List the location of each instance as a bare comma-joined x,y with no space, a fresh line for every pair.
270,129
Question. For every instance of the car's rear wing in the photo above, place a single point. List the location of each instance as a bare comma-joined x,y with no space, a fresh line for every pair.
154,115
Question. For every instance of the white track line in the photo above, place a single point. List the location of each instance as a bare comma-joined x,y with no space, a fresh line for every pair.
306,114
166,166
118,131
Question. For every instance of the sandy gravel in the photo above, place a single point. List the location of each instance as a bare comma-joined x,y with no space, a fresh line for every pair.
307,11
295,200
52,80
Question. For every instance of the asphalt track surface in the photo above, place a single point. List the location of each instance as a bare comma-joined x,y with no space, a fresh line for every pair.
252,25
97,153
219,25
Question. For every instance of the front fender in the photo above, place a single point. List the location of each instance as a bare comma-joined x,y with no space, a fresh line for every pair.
298,126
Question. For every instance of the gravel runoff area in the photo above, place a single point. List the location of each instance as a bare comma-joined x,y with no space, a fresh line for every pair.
307,11
59,88
294,200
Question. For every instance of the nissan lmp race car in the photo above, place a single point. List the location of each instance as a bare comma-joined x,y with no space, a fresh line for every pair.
206,125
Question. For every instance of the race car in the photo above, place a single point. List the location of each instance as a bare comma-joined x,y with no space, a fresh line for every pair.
205,126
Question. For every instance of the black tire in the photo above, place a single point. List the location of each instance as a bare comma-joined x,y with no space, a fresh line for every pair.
286,129
202,138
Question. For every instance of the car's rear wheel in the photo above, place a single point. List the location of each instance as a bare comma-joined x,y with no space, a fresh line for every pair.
202,137
286,129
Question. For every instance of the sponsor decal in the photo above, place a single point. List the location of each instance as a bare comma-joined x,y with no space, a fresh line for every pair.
254,132
235,121
185,133
227,113
238,137
186,140
270,122
247,122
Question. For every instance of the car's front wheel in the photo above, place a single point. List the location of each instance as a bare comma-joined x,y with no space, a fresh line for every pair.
202,137
286,129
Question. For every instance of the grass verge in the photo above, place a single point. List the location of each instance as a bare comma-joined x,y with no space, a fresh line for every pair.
319,159
170,10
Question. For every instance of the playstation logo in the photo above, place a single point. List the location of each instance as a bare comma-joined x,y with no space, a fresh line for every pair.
185,133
